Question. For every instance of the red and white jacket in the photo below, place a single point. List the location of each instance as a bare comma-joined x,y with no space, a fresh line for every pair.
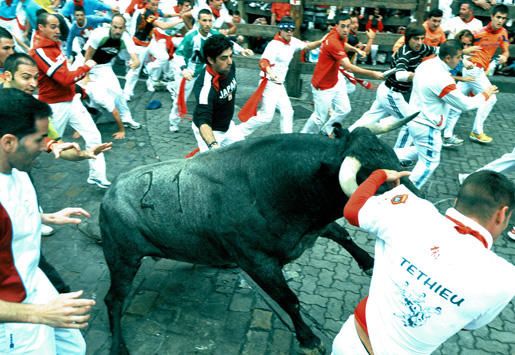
56,82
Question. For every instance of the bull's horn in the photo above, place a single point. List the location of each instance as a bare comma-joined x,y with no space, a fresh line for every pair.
389,124
347,175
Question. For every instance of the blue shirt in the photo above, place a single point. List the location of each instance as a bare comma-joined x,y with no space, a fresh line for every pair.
90,6
8,12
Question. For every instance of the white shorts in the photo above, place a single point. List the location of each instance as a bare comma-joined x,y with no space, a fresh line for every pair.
347,342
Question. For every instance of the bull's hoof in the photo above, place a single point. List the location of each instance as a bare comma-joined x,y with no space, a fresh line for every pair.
317,350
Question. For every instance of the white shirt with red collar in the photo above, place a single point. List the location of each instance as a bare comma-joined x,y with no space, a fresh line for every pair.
279,54
434,91
429,281
456,24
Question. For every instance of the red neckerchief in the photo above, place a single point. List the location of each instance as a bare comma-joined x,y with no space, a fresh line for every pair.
216,12
278,37
489,29
216,77
463,229
78,3
177,9
8,2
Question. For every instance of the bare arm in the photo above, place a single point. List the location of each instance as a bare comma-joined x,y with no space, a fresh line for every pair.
206,132
90,52
166,25
65,311
345,62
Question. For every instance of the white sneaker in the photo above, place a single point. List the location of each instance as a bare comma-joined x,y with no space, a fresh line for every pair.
173,128
47,231
511,233
150,85
103,184
132,124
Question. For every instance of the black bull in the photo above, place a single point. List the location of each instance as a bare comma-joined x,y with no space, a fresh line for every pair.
258,204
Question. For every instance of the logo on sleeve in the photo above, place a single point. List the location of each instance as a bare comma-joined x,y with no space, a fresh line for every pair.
399,199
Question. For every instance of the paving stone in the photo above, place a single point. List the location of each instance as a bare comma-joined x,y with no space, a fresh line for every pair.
261,319
256,343
241,303
142,302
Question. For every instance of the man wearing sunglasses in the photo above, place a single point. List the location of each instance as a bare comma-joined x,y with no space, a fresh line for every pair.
271,92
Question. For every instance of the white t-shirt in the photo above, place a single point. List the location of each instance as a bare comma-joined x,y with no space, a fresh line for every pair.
280,54
429,280
18,198
99,40
456,24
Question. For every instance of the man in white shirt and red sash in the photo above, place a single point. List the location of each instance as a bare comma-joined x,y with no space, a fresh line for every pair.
271,91
434,275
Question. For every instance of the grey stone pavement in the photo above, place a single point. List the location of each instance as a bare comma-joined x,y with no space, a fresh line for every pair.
180,308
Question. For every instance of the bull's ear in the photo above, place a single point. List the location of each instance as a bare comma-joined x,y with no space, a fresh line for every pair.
339,131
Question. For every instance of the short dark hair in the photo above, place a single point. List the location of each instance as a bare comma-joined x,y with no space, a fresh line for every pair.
483,192
15,60
43,18
414,30
19,112
119,15
215,45
450,47
500,8
79,8
464,33
5,34
435,13
204,12
467,2
343,16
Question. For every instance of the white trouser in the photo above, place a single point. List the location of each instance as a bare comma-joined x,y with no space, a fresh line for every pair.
427,146
155,48
347,341
387,103
504,164
480,84
161,59
105,90
231,136
335,98
174,117
37,339
274,96
74,113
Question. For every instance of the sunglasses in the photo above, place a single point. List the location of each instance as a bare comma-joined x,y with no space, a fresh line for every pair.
287,28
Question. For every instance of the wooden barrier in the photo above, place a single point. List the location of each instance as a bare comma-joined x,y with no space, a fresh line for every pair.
293,80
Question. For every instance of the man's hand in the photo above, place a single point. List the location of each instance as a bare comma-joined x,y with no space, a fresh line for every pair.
64,216
65,311
119,135
471,49
361,53
134,63
394,177
58,148
377,75
91,153
371,34
91,63
187,74
246,52
492,90
467,79
502,59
